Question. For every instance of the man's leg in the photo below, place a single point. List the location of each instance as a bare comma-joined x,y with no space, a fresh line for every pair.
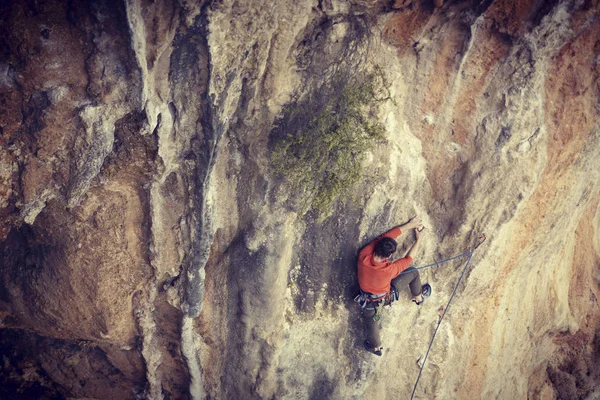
372,328
410,277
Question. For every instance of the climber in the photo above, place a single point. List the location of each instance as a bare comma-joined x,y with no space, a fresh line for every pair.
376,272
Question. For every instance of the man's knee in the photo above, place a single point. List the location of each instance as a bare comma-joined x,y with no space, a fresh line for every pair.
405,277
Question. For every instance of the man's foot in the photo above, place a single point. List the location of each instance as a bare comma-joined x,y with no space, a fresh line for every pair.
374,350
425,293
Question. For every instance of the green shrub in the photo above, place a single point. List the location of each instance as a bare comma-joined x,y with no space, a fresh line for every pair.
320,142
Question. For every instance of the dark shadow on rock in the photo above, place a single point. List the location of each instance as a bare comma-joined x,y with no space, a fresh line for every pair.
247,307
322,388
34,367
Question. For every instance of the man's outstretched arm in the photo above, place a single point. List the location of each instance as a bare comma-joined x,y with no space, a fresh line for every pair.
414,223
413,250
404,262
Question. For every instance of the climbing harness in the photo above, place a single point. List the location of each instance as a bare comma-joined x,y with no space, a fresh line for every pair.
469,253
366,301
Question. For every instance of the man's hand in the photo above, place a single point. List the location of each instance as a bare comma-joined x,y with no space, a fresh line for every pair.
415,222
413,250
419,231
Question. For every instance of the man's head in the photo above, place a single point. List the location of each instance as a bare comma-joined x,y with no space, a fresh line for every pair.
385,247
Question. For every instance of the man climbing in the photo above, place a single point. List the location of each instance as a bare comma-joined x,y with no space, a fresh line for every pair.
376,272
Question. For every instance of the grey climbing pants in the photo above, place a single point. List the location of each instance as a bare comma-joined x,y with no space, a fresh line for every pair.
409,277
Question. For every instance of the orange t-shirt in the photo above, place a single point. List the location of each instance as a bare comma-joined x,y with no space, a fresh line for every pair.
375,278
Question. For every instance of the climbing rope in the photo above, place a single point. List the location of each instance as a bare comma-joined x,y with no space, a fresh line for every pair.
466,253
481,239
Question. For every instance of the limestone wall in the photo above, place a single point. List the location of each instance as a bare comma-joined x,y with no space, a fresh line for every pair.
149,251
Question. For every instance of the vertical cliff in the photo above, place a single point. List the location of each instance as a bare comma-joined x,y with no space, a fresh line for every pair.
149,250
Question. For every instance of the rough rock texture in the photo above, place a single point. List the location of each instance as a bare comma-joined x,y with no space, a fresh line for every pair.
148,251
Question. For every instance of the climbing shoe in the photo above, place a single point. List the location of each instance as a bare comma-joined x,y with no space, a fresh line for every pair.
425,292
371,349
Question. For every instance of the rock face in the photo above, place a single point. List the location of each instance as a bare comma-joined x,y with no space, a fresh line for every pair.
149,251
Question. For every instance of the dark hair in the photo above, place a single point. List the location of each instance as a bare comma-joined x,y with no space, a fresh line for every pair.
385,247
